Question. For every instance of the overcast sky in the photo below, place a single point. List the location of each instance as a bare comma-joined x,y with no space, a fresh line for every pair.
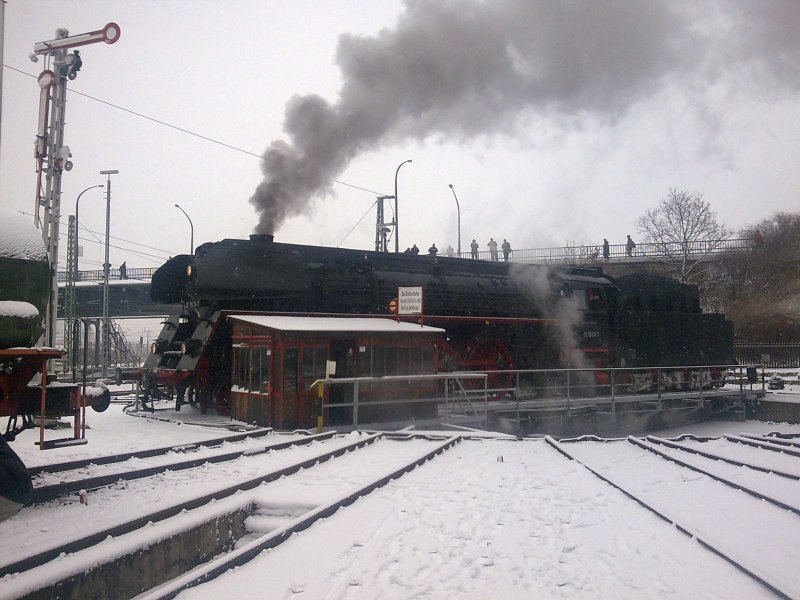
555,122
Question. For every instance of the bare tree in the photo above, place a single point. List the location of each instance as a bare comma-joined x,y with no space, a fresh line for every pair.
684,230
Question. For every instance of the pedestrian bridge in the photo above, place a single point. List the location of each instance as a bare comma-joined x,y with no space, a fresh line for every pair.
563,255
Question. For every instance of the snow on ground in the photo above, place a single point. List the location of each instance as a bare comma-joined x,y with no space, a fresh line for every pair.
486,519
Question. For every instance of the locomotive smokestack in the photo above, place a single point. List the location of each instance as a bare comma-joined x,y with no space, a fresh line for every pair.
262,237
469,68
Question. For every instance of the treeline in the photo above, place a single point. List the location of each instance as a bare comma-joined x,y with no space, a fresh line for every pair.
760,290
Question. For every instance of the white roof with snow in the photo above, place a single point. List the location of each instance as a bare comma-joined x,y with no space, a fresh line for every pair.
338,324
19,237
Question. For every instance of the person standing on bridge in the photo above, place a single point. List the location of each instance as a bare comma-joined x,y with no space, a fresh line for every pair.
433,250
506,249
629,246
492,249
607,249
474,248
123,271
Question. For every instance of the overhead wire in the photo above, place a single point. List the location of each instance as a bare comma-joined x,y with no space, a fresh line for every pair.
182,129
357,224
144,255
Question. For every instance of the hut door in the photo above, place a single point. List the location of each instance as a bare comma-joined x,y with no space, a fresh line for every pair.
290,387
314,356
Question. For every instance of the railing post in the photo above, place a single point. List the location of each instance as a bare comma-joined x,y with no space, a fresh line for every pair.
658,386
355,404
700,382
569,392
447,397
516,395
485,401
613,396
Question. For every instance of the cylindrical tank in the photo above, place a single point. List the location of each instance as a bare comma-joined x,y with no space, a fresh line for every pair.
24,281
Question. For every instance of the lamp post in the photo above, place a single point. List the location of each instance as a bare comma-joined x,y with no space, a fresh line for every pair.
191,225
106,272
77,245
396,216
458,208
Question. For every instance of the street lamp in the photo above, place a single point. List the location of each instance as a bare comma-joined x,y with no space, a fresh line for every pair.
191,225
106,272
396,216
77,246
458,208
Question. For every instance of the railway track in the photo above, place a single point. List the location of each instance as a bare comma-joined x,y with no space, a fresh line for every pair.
114,458
220,517
52,491
673,496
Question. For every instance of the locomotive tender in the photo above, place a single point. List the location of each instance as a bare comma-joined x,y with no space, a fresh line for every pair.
497,315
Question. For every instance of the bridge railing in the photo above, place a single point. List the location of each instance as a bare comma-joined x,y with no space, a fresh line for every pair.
644,251
562,254
145,273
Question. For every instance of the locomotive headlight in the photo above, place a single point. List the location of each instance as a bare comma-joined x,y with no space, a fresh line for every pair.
188,270
154,348
184,348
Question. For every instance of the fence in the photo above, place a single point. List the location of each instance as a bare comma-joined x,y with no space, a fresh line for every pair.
774,355
145,273
590,254
453,394
469,394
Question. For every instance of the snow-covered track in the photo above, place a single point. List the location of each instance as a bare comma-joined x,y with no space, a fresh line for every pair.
775,446
104,460
734,555
792,442
51,492
249,551
96,537
739,463
652,447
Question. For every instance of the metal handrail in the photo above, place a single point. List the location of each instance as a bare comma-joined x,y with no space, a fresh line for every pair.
321,384
589,254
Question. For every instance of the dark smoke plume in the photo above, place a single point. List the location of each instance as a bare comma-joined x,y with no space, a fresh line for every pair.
467,68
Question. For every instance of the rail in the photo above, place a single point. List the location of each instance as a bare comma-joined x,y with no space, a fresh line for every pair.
455,395
593,253
134,274
573,389
588,254
477,394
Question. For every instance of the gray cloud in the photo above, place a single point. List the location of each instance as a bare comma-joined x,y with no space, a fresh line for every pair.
469,68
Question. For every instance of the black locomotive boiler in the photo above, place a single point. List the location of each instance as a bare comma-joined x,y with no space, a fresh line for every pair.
497,315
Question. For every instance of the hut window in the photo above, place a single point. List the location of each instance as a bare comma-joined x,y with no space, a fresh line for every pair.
259,367
240,367
314,363
290,371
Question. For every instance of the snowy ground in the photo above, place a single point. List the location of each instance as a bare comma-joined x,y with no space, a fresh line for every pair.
486,519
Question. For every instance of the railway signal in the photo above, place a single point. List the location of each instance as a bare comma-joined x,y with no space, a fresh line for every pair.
52,156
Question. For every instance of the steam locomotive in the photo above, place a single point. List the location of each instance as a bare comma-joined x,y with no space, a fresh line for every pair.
497,315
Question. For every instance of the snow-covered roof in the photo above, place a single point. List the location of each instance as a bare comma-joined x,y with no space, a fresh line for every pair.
15,308
338,324
19,238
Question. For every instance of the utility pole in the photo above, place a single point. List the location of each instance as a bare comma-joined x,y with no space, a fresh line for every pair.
381,227
51,154
106,273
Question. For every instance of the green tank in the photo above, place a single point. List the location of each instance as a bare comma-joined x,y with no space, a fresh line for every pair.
24,281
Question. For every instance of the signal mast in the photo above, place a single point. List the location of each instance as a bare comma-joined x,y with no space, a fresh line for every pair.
52,156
